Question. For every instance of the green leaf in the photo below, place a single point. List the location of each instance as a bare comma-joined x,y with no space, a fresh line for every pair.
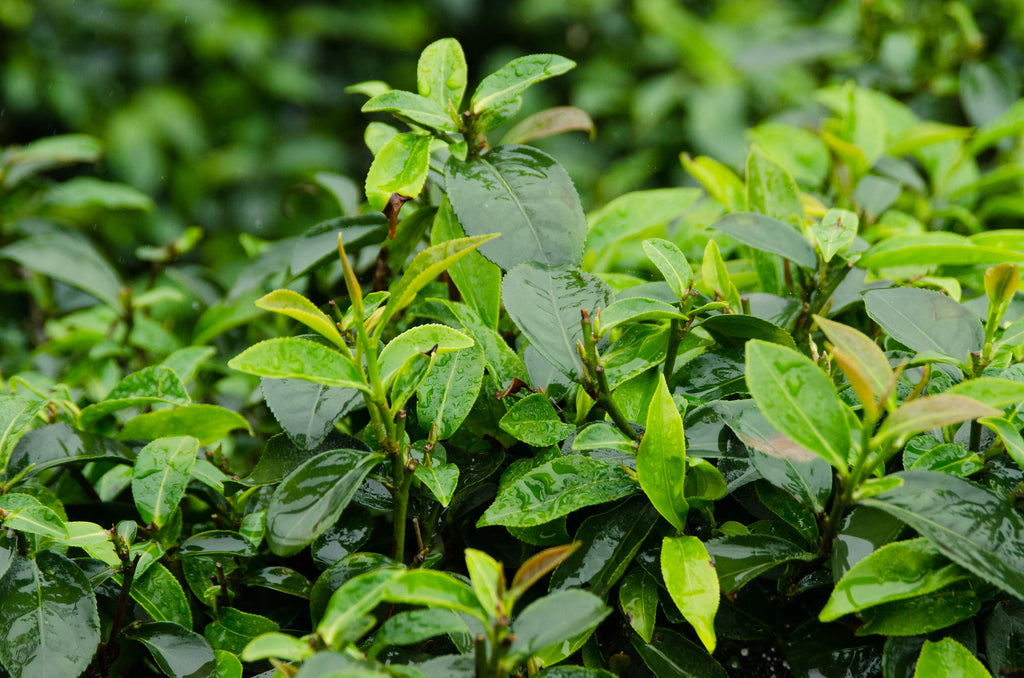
281,579
733,330
768,235
974,527
488,577
835,232
441,73
25,513
416,626
71,260
149,386
49,152
635,309
399,167
931,412
448,392
549,122
740,558
162,471
503,363
313,496
217,543
948,659
608,543
477,279
295,358
426,266
277,646
178,652
92,539
344,569
545,305
294,305
557,488
672,264
496,98
934,249
228,665
1004,636
528,196
896,571
161,596
16,416
798,399
435,589
307,411
633,216
600,435
413,109
555,619
49,624
441,479
771,190
85,192
1011,437
792,512
208,423
432,339
864,364
534,421
355,599
992,391
638,598
661,458
921,615
925,320
670,655
692,583
233,629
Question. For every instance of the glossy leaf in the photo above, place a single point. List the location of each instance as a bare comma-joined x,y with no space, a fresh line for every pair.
412,108
896,571
497,96
557,488
603,436
399,167
148,386
435,589
441,73
208,423
925,320
281,579
549,122
525,194
477,279
733,330
974,527
278,646
545,304
416,626
1004,636
782,381
638,598
488,577
791,511
345,537
432,339
556,619
768,235
295,358
448,391
25,513
922,614
692,583
661,458
670,655
672,264
92,539
331,579
307,411
1011,437
948,659
298,307
835,232
426,266
178,652
233,630
739,559
503,364
48,617
930,412
161,596
534,421
608,543
16,416
635,309
162,471
71,260
313,496
217,542
440,479
356,597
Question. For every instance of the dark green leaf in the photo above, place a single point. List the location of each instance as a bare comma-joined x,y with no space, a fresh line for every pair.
346,536
448,391
557,488
1004,636
670,655
525,194
178,652
534,421
638,598
313,496
922,614
925,320
162,471
792,512
972,526
161,596
282,579
307,411
768,235
741,558
545,305
49,624
734,330
217,542
233,629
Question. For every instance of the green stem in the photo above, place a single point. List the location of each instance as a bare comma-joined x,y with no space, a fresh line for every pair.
674,337
601,391
403,475
975,445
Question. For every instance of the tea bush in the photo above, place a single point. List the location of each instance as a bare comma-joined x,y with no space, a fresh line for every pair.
767,423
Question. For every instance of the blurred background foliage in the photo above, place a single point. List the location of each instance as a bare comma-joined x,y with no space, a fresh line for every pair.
228,113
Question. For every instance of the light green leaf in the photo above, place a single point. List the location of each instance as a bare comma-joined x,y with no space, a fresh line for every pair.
412,108
294,305
162,471
432,339
399,167
71,260
27,514
948,659
295,358
926,321
671,261
930,412
148,386
692,583
835,232
477,279
81,192
277,646
441,73
661,459
497,97
208,423
534,421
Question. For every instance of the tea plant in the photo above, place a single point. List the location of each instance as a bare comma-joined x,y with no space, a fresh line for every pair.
769,424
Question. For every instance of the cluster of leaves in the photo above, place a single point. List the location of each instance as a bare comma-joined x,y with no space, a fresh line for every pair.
772,423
